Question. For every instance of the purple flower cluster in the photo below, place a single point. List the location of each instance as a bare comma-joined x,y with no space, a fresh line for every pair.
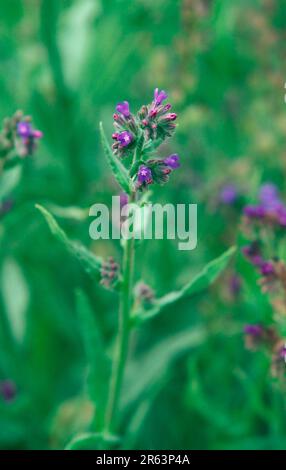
254,255
270,209
157,171
156,119
126,130
28,136
133,132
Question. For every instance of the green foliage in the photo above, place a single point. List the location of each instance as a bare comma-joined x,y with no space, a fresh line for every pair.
98,362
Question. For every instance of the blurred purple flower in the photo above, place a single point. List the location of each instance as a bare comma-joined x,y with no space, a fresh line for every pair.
24,129
8,390
6,206
228,194
254,212
253,330
268,194
266,268
282,352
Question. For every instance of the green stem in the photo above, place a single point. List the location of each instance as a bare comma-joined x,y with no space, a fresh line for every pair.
122,343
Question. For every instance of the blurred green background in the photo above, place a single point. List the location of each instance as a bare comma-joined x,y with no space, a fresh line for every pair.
191,383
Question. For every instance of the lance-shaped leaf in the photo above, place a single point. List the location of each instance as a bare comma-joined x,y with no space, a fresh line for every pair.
91,263
98,362
199,283
119,171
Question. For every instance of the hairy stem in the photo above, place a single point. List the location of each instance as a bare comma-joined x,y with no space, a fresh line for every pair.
122,342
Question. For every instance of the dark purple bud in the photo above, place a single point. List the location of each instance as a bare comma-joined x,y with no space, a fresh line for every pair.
159,96
172,161
123,108
153,113
24,129
125,138
144,175
228,194
266,268
8,390
253,330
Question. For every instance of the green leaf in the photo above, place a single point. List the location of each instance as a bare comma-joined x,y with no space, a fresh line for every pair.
199,283
85,441
99,363
92,441
91,263
119,171
15,293
156,363
9,180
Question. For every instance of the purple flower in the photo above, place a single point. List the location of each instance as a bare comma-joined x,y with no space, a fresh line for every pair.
228,194
24,129
159,96
253,330
125,138
8,390
268,194
266,268
172,161
123,108
144,175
